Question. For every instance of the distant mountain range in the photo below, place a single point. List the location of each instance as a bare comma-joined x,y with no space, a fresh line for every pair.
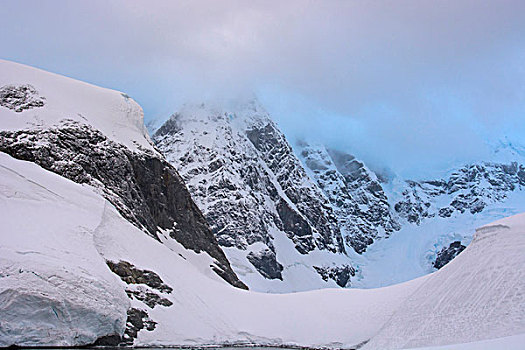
261,197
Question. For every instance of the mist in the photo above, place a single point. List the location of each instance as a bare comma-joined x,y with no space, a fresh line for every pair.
407,85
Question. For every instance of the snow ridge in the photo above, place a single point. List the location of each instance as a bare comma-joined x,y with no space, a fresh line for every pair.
478,296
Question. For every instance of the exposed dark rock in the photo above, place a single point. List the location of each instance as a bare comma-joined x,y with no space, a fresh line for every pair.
359,241
446,254
131,275
469,189
310,203
359,202
340,274
108,340
266,263
446,212
144,188
296,228
416,205
137,321
20,97
169,127
149,298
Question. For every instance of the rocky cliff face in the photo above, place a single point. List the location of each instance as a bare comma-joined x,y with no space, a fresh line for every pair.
469,189
144,188
249,184
361,206
277,154
367,213
251,187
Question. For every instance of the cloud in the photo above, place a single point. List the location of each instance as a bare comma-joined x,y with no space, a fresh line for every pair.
398,82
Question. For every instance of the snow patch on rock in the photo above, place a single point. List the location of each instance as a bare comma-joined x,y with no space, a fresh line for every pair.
112,112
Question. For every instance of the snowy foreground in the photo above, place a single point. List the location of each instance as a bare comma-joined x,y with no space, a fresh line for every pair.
56,288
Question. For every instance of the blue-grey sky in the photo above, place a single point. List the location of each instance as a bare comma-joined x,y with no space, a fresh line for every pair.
407,84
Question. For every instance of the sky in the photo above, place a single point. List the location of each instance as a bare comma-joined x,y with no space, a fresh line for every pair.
409,85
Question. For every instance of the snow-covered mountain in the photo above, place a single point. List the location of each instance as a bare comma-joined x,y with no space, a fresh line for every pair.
82,262
348,223
97,137
355,192
471,188
276,227
94,137
403,228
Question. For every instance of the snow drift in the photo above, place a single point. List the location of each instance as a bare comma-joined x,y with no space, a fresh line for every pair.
479,295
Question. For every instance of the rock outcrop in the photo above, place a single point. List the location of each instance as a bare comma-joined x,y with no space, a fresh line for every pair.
446,254
144,188
20,97
360,204
469,189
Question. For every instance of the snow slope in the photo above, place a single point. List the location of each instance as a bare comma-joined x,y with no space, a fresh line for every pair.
56,262
515,342
57,290
113,113
479,295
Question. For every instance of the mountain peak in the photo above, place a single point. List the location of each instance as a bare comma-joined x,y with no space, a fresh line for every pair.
506,149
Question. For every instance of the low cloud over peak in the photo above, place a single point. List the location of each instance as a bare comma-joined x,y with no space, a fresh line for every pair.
398,82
